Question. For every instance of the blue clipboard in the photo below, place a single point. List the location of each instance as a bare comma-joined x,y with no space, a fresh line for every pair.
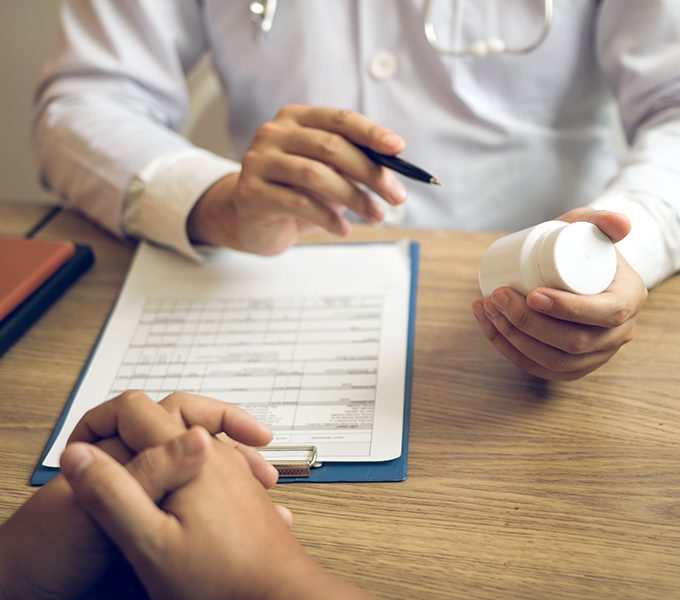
330,472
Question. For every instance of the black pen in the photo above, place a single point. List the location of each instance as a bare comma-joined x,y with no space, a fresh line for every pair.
399,165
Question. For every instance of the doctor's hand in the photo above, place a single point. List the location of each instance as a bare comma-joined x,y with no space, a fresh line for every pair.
219,536
557,335
53,531
302,171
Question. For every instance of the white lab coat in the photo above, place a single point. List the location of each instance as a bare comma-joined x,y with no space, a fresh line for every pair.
514,139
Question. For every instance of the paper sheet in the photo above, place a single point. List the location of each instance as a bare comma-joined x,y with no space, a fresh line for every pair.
312,342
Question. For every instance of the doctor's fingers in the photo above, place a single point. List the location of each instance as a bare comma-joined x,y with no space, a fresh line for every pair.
140,422
320,181
353,125
534,357
570,337
264,203
336,151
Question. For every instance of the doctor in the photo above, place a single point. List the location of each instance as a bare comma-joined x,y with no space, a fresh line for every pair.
507,103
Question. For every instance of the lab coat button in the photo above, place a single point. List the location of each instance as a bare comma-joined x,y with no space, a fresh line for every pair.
383,65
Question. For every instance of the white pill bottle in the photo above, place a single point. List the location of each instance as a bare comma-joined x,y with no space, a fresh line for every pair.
576,257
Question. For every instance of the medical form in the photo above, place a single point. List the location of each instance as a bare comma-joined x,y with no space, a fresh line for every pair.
312,342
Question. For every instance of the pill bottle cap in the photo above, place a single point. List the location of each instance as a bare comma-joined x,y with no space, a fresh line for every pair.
578,258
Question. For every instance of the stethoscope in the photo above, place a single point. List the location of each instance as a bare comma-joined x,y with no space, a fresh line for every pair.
262,13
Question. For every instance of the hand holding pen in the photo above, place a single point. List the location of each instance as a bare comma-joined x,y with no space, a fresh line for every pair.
304,169
399,165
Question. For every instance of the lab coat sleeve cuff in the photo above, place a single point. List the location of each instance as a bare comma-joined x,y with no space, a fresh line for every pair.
652,247
161,196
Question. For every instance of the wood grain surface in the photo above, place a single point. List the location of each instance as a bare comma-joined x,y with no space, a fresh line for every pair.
17,219
516,487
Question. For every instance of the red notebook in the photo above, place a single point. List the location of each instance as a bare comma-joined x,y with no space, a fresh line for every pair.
25,265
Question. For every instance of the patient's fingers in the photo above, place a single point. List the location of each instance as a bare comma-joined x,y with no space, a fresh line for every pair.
162,469
142,423
119,503
133,416
217,417
263,470
285,513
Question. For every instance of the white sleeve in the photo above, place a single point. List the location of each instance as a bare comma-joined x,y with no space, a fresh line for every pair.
652,247
638,46
112,101
162,194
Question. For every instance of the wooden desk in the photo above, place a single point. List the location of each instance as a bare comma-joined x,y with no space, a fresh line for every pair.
516,487
19,218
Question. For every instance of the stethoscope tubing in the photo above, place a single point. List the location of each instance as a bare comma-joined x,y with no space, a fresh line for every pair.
263,11
490,46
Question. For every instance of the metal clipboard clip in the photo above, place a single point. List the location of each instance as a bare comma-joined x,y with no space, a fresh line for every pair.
291,460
